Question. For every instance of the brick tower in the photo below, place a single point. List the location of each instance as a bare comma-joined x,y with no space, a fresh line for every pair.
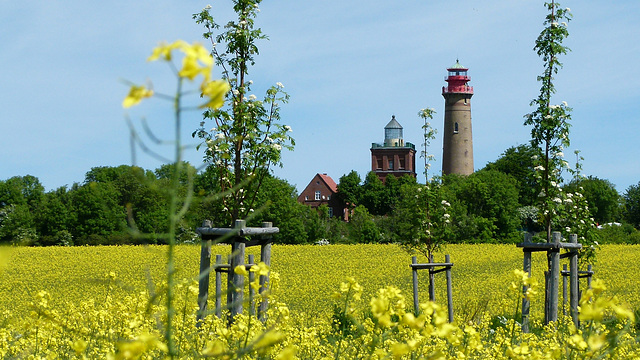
394,156
457,147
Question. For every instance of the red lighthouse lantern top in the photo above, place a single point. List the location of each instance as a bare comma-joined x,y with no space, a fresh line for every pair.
457,80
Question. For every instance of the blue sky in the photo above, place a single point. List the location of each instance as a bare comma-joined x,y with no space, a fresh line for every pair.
348,66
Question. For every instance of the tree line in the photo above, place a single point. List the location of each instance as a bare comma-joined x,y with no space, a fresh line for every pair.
127,205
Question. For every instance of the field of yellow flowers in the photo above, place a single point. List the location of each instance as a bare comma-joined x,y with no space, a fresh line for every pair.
337,301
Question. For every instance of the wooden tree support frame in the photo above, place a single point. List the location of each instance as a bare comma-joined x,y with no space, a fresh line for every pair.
552,276
433,268
581,275
239,237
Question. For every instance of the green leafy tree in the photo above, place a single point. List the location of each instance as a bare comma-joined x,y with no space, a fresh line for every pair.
363,228
422,214
485,206
96,211
574,217
21,190
282,209
316,223
550,123
349,191
244,138
550,135
601,195
417,230
373,195
20,196
632,205
519,163
141,196
54,215
17,225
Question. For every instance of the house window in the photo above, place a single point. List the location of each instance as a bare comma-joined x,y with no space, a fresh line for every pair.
330,212
390,164
306,198
328,197
401,163
455,128
379,163
317,195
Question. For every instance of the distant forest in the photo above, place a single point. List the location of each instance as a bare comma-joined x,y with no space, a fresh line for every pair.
128,205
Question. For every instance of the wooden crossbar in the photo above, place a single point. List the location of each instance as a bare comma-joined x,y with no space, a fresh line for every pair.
527,246
430,265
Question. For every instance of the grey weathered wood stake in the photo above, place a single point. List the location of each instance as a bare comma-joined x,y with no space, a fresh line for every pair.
416,303
564,290
546,297
218,287
229,279
203,277
433,268
526,267
252,292
239,237
265,257
432,282
573,281
447,259
235,282
554,277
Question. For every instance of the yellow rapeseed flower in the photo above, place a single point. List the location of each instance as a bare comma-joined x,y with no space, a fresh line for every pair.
198,52
596,341
136,94
288,353
215,92
79,346
241,270
398,350
214,348
269,339
260,268
164,50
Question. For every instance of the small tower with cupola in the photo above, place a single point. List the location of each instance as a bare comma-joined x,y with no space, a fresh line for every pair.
394,156
457,147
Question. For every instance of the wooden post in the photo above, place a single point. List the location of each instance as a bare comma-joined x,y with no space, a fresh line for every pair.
554,274
573,281
252,292
265,257
219,287
526,267
416,303
203,277
235,281
564,290
447,259
546,297
229,282
432,280
590,270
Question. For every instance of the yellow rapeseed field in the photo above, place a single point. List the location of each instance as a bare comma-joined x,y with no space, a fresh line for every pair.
99,302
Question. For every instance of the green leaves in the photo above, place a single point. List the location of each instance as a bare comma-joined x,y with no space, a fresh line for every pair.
550,123
244,138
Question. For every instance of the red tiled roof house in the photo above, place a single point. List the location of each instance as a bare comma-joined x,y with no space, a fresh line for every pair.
321,191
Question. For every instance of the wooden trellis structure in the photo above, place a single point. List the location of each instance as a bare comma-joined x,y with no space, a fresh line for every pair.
552,276
239,237
433,268
581,275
